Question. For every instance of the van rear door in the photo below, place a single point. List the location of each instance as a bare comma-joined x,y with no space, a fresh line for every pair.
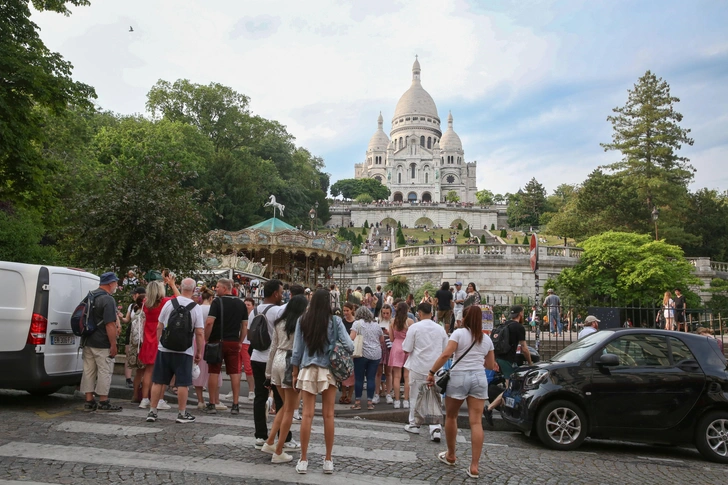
17,287
61,349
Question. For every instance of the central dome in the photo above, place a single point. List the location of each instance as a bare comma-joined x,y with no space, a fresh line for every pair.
416,101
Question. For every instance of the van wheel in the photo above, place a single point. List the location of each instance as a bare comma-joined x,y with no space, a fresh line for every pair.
711,437
43,392
561,425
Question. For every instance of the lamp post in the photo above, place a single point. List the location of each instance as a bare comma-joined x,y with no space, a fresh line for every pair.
312,214
655,215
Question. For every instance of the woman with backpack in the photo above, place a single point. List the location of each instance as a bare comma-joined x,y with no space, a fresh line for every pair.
316,334
278,372
134,335
472,349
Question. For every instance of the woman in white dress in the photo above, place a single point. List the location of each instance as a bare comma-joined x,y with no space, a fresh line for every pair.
668,309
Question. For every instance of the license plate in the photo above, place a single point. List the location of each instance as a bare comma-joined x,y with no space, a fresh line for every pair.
510,402
63,339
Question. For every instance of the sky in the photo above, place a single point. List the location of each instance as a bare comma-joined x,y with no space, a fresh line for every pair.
529,83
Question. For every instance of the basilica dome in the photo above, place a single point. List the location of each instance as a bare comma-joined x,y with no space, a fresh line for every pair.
450,140
416,101
379,140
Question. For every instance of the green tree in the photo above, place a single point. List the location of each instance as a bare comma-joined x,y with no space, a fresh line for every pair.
364,199
709,223
366,224
32,77
460,226
21,238
525,242
647,132
492,227
484,197
482,239
452,197
420,292
154,221
352,188
467,232
627,267
533,203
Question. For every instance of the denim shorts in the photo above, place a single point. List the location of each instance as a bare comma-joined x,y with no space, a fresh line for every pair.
467,384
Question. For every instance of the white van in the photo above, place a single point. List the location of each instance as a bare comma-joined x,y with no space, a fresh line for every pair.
38,351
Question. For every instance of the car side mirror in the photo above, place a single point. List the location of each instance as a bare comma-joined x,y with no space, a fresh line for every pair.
609,360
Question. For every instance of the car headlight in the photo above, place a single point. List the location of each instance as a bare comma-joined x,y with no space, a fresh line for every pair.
534,378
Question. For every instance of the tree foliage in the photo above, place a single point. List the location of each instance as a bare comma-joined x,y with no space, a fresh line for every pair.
31,77
353,188
398,285
484,197
627,267
452,196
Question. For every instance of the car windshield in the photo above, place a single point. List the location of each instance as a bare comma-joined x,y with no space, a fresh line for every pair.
576,351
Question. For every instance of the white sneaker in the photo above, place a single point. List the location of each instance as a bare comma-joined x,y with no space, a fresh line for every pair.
328,466
282,458
145,403
435,435
389,399
301,466
405,404
270,449
297,415
251,396
292,445
220,407
411,428
162,405
200,406
375,399
396,404
259,443
228,396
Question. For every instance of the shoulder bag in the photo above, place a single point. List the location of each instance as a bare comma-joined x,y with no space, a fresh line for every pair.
359,343
443,377
213,351
341,363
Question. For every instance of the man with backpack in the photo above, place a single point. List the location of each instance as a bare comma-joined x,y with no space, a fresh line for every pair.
227,324
506,339
99,348
180,321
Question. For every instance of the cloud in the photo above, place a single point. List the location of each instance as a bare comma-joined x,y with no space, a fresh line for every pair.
258,27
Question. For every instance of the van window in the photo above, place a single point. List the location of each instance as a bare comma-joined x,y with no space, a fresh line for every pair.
65,292
12,290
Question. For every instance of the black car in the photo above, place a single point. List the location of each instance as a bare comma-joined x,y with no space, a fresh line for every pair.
643,385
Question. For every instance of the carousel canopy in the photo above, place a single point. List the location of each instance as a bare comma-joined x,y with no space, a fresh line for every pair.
272,225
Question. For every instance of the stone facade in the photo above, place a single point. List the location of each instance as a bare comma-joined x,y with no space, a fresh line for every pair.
417,162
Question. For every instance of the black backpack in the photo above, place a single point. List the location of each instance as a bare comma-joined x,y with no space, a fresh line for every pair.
179,332
258,332
83,322
501,338
380,297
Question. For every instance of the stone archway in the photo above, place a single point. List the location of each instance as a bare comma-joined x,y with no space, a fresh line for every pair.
426,197
412,197
397,197
424,221
388,220
459,221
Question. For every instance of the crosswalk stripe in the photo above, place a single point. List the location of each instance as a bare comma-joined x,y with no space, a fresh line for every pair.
193,464
107,429
377,455
249,423
23,482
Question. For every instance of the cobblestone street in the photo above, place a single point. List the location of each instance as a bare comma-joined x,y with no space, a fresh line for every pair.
51,440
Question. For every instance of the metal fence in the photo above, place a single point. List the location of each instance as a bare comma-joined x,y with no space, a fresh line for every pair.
550,337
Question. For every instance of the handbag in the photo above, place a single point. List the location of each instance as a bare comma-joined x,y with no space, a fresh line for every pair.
443,377
358,344
341,363
288,373
213,350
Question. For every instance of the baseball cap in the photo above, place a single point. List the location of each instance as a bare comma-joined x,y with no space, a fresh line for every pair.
516,310
140,290
458,283
591,319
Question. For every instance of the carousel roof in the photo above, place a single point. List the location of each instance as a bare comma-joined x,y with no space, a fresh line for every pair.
272,225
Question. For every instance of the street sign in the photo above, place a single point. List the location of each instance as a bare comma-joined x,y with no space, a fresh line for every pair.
534,253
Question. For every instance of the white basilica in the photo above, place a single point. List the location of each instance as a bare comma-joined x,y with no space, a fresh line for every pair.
419,163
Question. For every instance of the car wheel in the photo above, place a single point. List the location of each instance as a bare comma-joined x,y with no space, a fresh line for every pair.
711,437
561,425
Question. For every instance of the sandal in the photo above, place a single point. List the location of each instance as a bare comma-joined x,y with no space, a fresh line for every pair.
470,474
357,405
347,400
442,456
370,406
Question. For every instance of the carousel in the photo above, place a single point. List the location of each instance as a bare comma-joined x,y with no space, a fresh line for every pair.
273,249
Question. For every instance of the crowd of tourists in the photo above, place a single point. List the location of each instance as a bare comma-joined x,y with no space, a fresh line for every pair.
181,336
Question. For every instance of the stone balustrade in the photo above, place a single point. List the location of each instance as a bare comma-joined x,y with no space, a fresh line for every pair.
488,250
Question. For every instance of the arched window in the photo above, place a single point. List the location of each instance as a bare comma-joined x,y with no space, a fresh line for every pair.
401,143
413,168
427,177
429,142
422,141
399,178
